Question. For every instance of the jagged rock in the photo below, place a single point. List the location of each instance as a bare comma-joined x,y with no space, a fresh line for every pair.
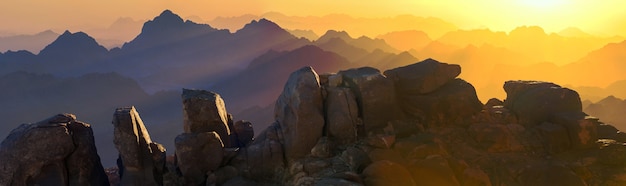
264,157
205,111
244,132
535,102
342,115
453,104
387,173
375,95
57,151
198,154
137,153
299,112
423,77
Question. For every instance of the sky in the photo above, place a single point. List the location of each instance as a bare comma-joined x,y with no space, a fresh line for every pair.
599,16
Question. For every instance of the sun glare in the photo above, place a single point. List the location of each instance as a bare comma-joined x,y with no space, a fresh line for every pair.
543,4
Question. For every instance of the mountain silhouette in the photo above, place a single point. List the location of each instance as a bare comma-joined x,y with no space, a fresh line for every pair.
260,83
74,49
33,43
93,96
406,40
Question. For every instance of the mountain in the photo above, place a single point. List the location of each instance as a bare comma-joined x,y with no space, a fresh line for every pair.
406,40
73,49
363,42
574,32
33,43
120,31
532,42
610,110
259,84
232,23
308,34
415,125
606,64
93,97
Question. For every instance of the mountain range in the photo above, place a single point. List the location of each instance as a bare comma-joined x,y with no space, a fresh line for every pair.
248,65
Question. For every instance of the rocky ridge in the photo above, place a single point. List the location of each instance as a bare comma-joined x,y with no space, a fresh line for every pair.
413,125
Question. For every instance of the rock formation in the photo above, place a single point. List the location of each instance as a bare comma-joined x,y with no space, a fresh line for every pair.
414,125
141,161
57,151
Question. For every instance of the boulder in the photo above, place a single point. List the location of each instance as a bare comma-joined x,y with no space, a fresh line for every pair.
342,115
198,154
299,112
423,77
534,102
244,132
263,158
205,111
57,151
375,95
455,103
136,154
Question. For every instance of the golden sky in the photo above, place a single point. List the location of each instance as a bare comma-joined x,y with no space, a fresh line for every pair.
598,16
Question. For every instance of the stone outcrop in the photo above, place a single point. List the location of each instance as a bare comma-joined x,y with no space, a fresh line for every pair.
342,115
243,132
141,161
429,91
423,77
415,125
198,155
57,151
535,102
299,112
375,95
205,111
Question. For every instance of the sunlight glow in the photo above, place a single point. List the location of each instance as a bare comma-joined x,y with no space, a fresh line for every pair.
543,4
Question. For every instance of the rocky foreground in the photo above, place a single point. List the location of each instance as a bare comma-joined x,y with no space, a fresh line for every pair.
413,125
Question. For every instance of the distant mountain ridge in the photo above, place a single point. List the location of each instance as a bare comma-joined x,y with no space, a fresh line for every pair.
32,43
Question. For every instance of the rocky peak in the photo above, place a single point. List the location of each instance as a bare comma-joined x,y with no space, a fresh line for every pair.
261,26
330,34
70,43
166,19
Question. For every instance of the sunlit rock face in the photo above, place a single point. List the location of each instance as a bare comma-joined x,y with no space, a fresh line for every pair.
414,125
